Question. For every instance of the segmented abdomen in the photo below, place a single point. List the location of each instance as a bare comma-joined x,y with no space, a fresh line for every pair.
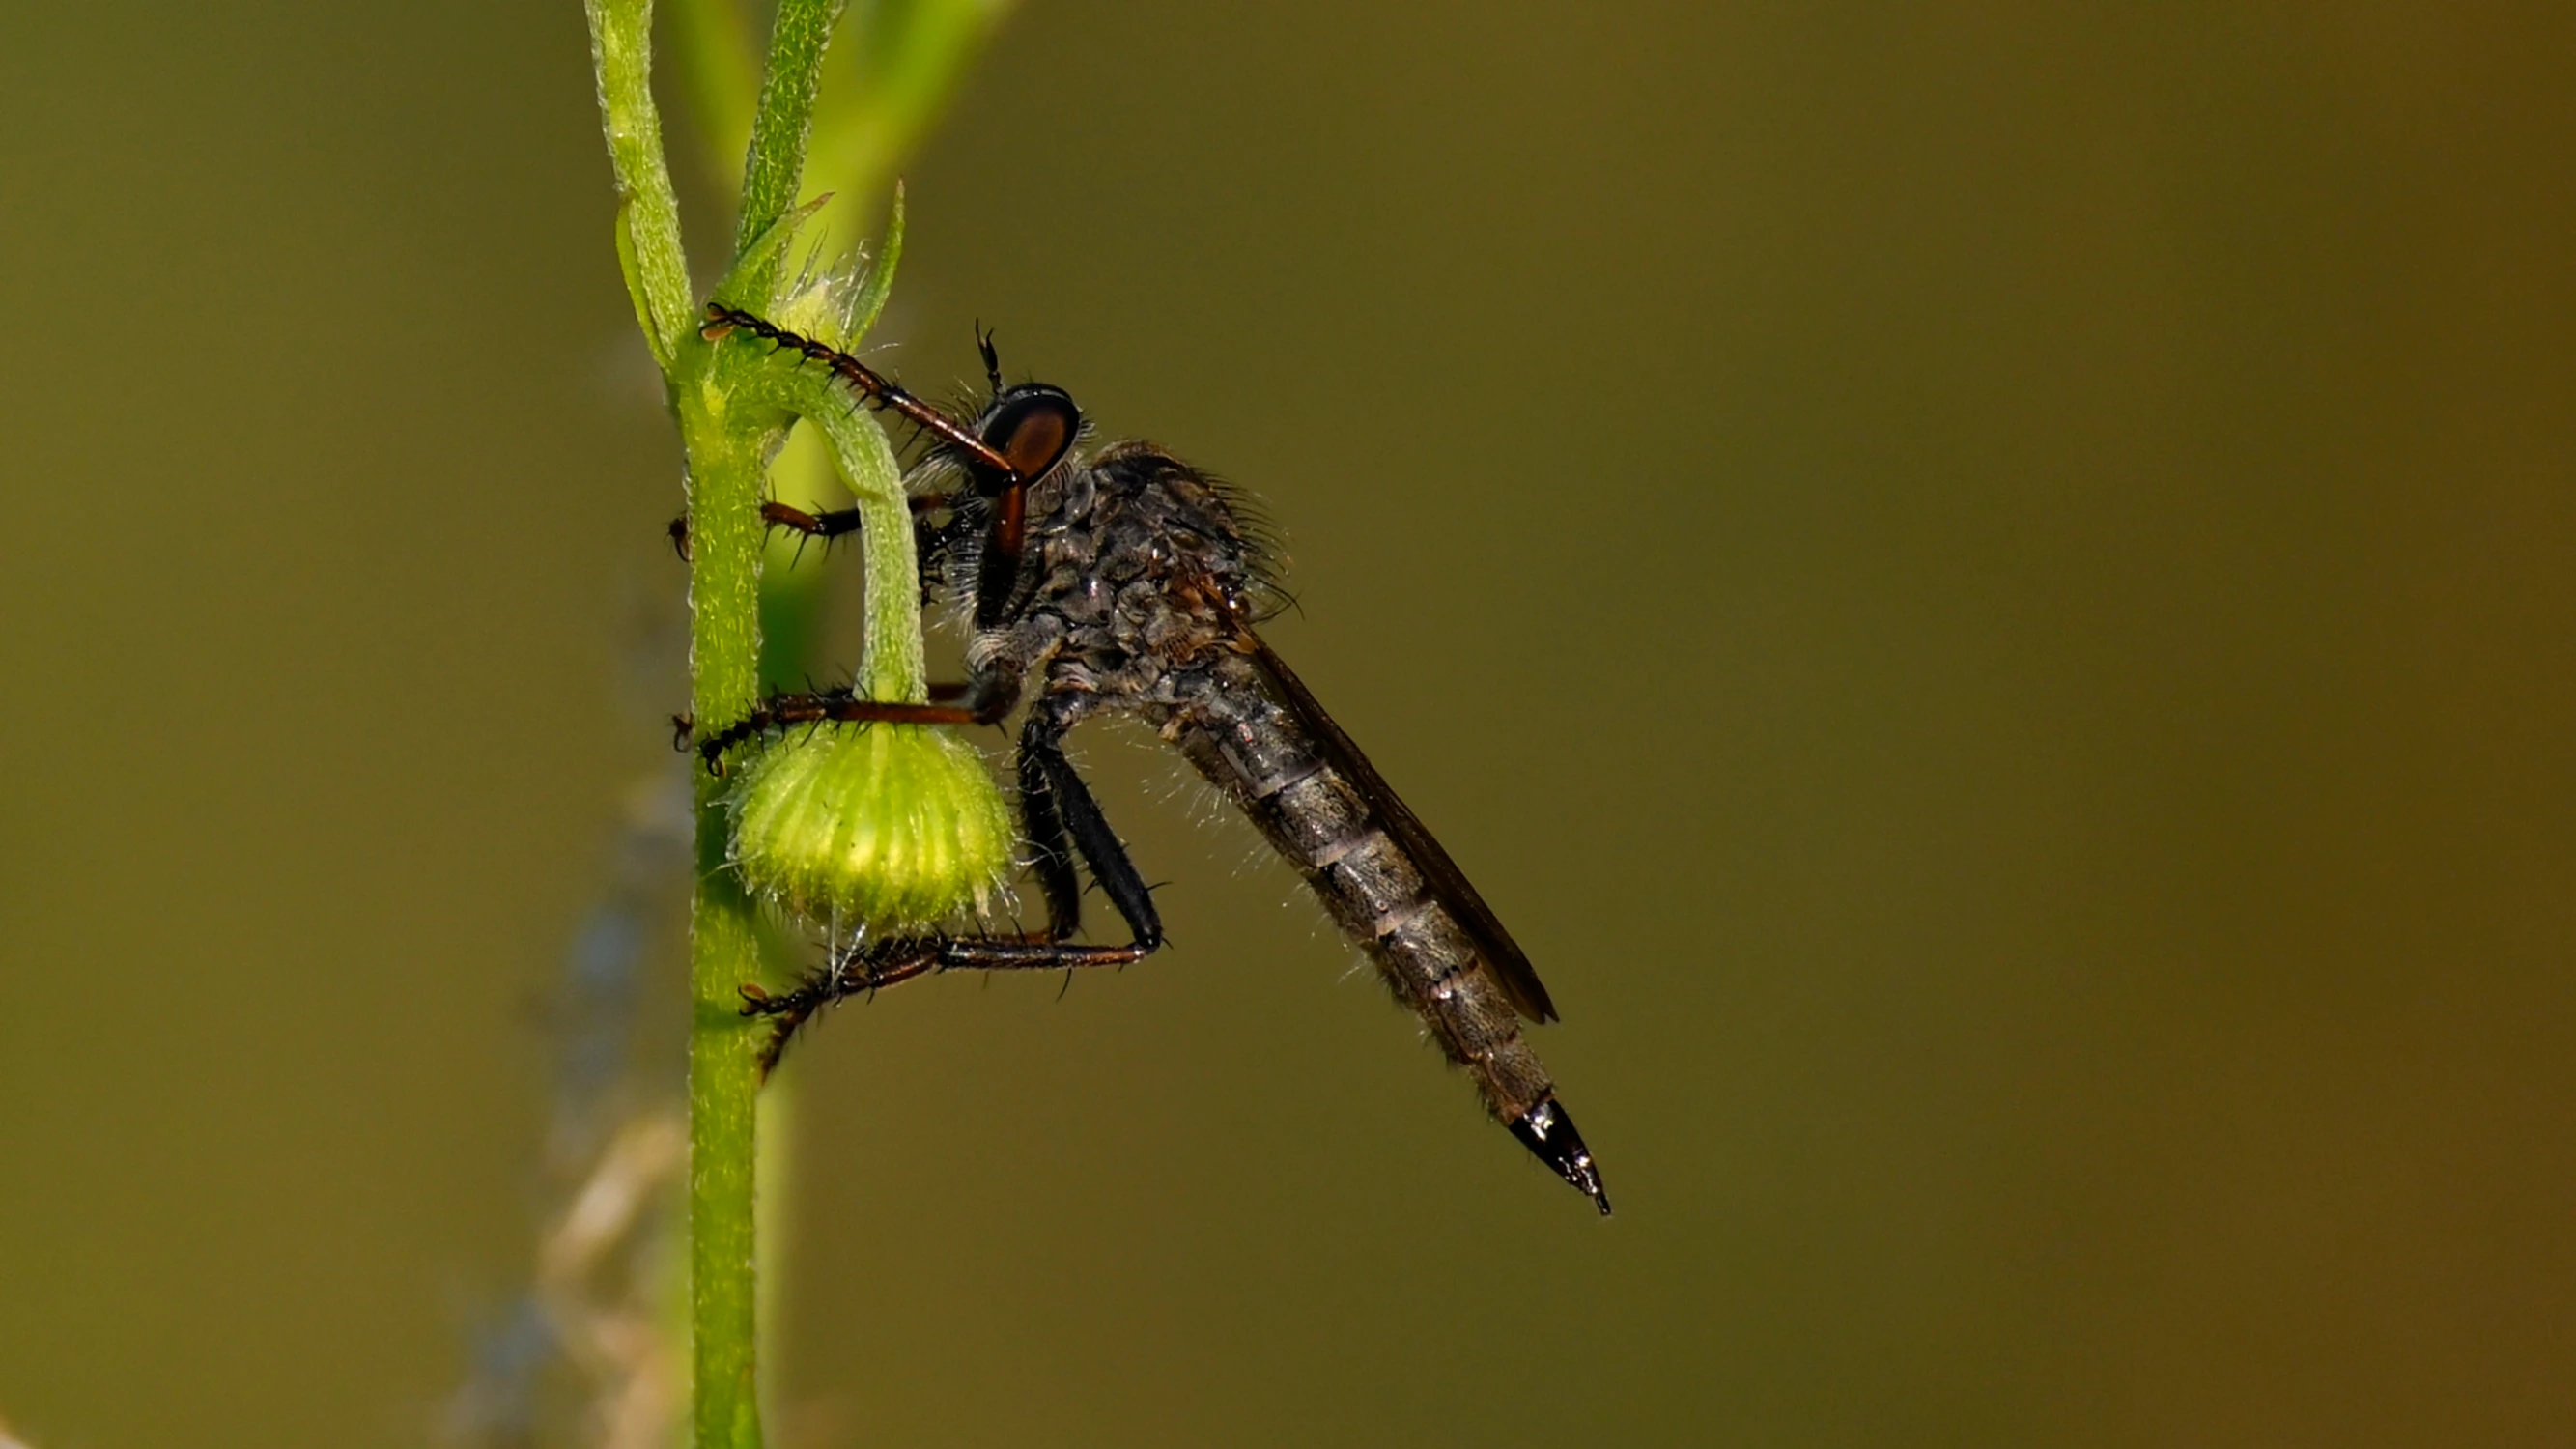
1261,756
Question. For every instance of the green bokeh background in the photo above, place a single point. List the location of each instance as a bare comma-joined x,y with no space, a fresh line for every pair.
1986,587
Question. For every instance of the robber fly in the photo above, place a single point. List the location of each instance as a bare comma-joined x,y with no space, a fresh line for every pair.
1122,580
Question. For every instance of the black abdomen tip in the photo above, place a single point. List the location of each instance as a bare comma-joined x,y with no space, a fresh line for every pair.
1548,1132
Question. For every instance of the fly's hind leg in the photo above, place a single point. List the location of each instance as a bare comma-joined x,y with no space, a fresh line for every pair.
1060,818
853,972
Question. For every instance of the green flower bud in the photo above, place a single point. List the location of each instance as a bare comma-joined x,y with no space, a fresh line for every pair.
884,828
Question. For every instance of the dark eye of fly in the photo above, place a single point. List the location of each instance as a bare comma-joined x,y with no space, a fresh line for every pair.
1032,426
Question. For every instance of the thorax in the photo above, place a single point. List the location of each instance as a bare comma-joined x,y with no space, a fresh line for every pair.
1136,554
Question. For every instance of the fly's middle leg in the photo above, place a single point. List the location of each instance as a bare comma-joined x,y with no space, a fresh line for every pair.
833,523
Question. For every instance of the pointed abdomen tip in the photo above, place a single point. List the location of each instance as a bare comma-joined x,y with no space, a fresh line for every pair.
1550,1135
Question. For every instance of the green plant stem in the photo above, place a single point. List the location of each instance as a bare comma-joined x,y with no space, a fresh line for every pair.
727,452
648,213
724,942
727,447
730,415
734,403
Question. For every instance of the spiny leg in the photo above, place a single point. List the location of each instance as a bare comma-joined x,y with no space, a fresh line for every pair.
934,539
853,972
867,969
875,386
997,470
1020,439
832,523
979,701
982,699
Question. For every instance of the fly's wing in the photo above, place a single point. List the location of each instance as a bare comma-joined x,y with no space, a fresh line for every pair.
1448,883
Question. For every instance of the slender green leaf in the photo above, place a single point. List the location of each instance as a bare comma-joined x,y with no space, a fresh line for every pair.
775,167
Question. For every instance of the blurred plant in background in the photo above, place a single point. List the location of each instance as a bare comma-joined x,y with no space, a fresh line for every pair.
590,1350
596,1349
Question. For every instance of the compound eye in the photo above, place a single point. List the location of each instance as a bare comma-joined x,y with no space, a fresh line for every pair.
1032,426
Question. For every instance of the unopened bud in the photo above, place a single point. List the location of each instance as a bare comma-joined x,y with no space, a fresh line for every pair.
879,827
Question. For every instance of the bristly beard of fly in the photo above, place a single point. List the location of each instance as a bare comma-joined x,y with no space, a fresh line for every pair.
1264,547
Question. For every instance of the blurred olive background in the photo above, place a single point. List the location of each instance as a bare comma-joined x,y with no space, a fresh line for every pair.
1986,587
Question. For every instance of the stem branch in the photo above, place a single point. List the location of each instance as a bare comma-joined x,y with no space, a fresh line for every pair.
648,213
779,129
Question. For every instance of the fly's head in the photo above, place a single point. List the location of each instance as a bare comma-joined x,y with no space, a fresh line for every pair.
1097,535
1022,437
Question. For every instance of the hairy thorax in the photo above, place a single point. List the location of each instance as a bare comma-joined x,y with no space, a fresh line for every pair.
1136,556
